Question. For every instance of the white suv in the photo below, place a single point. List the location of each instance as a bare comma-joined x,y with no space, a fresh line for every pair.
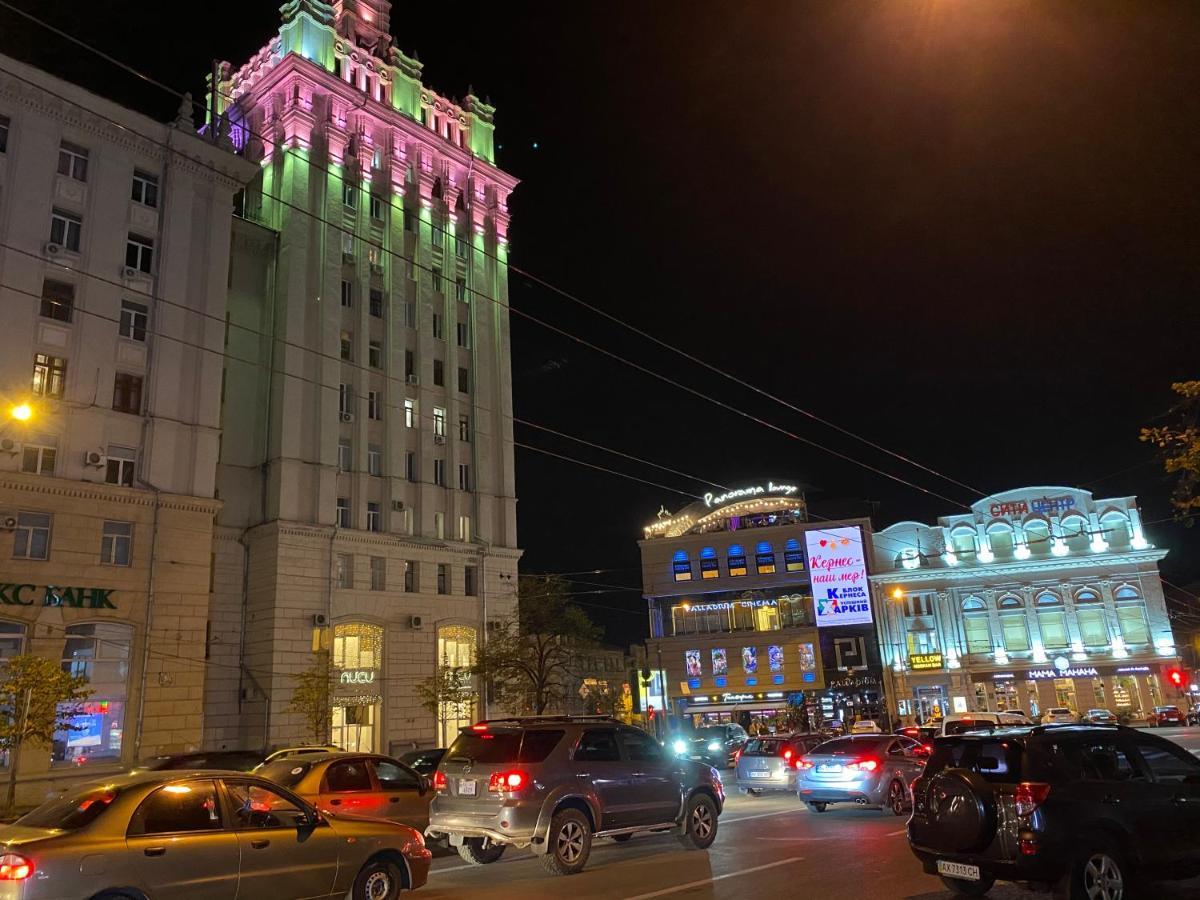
1059,714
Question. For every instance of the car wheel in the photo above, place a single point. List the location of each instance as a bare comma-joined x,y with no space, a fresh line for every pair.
968,888
818,806
1099,872
570,843
699,823
480,851
896,798
621,838
377,880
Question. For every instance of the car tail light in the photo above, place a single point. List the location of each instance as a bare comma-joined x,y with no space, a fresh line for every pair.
803,763
737,754
508,781
787,755
863,765
1030,795
482,726
1028,847
439,781
14,867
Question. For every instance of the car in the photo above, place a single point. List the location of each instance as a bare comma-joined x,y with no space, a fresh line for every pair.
1059,715
555,783
424,761
1010,717
867,770
1088,810
712,744
768,763
304,750
355,784
866,726
957,723
1193,716
923,733
1162,716
211,834
234,760
1098,717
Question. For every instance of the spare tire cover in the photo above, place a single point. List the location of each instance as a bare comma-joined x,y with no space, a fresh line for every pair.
961,812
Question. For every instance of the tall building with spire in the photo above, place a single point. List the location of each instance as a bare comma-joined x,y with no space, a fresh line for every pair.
366,466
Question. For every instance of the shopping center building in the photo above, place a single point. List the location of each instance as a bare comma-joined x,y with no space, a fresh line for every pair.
1038,597
735,632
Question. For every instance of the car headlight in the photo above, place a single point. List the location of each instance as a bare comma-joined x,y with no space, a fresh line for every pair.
715,746
680,747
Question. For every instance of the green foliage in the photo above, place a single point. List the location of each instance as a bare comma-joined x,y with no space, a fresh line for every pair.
312,697
449,694
1179,445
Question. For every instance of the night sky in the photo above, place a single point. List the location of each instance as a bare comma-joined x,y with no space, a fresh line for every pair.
965,231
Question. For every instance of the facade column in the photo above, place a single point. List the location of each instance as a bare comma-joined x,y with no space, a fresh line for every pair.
985,554
1085,695
1143,694
1046,696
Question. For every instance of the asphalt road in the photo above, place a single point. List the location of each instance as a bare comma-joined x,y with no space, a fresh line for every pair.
768,846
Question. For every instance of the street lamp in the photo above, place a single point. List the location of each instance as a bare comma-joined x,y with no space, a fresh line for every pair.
22,412
897,593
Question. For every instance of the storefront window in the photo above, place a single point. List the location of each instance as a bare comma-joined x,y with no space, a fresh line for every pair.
354,727
1006,696
1064,693
1101,694
357,646
922,642
358,655
12,639
456,649
1124,692
752,611
99,652
981,697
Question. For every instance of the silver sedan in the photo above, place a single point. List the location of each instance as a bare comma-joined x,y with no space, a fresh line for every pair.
768,763
867,770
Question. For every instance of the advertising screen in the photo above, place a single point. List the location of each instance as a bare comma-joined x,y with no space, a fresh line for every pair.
719,661
692,661
750,660
839,576
775,657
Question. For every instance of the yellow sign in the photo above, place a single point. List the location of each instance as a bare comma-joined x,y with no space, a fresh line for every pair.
923,661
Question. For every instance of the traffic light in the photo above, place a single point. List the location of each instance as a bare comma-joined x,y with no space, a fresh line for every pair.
1176,677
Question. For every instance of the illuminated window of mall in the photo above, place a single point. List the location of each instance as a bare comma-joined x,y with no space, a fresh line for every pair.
977,626
358,658
764,558
1093,624
736,560
456,651
1052,621
1012,624
681,566
1074,530
793,556
1131,615
98,651
709,567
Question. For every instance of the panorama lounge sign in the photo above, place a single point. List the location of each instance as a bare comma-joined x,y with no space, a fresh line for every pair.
757,490
50,595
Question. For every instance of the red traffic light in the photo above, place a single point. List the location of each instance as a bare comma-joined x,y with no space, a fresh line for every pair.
1175,677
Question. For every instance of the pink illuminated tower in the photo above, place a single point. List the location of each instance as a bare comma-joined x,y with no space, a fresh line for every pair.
367,452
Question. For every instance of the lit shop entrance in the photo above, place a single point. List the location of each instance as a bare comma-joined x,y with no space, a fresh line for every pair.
357,657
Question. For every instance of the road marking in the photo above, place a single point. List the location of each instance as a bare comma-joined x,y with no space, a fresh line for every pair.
691,884
826,838
783,812
894,833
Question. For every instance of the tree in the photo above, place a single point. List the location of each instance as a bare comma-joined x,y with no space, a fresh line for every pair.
449,694
35,698
1179,444
529,658
312,696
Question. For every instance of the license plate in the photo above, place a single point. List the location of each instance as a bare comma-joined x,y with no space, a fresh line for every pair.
466,788
958,870
829,767
760,774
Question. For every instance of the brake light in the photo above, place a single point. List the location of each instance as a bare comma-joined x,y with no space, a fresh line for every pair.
14,867
507,781
482,726
863,765
787,755
439,781
1029,796
803,763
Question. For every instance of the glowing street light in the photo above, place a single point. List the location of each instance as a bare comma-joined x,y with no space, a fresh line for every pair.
897,593
22,412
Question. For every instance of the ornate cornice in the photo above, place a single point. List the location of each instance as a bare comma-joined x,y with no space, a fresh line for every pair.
382,540
86,490
1005,572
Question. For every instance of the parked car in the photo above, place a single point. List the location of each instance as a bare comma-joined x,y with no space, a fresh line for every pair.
152,834
356,784
1163,716
555,783
1088,809
1098,717
923,733
768,763
1059,715
1011,717
866,726
868,770
712,744
958,723
424,761
290,752
233,760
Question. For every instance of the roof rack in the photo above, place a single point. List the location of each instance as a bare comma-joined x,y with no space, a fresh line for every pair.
540,720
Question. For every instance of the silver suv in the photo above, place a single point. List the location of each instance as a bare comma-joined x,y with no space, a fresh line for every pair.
554,783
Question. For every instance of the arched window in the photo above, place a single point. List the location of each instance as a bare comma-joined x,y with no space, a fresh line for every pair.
1131,615
977,625
1037,537
1089,613
709,567
1074,530
963,540
358,659
1114,528
1001,536
681,566
1009,602
736,560
455,655
1052,621
909,558
793,556
1012,624
98,651
764,558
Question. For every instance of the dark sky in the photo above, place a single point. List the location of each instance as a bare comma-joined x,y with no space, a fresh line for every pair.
967,231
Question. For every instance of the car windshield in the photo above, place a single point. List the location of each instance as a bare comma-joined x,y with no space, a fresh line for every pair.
963,726
994,759
848,747
711,732
287,772
1059,711
72,811
1165,709
764,747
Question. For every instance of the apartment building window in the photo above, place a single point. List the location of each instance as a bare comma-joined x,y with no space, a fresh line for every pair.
127,393
374,461
49,375
439,526
439,472
438,232
375,354
344,456
31,538
410,466
410,314
463,335
460,289
460,246
350,194
145,189
375,405
72,161
347,294
435,279
65,229
139,253
464,528
38,459
443,578
376,207
470,576
464,380
375,258
410,413
409,221
464,477
58,300
439,421
438,328
376,303
4,126
119,465
374,516
116,543
344,570
410,576
439,373
464,429
135,317
379,573
347,346
345,398
409,364
347,245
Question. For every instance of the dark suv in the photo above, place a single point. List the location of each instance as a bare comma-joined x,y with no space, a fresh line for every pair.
553,783
1090,810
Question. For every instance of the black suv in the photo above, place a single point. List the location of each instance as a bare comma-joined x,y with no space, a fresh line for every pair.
553,783
1090,810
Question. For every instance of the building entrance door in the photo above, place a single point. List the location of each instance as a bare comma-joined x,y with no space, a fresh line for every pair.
354,727
929,703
